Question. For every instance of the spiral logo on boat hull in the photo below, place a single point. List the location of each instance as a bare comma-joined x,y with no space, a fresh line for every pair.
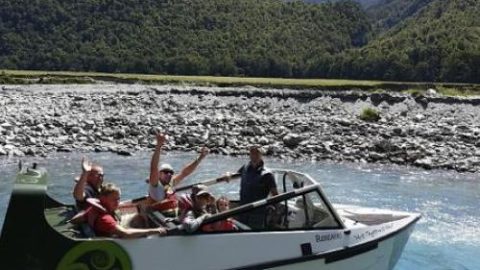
95,255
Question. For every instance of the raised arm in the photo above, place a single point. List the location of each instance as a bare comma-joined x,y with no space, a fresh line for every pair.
190,167
79,189
153,180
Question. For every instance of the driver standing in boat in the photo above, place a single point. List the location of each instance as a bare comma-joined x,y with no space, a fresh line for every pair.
257,183
88,186
162,180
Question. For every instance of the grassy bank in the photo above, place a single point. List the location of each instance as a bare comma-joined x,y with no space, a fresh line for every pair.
61,77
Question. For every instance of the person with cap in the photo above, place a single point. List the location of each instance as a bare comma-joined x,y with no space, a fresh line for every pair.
88,186
163,179
194,217
256,183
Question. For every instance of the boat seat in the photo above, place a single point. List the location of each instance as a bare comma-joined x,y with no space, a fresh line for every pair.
59,219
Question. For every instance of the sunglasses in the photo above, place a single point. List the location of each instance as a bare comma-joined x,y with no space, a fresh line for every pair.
168,172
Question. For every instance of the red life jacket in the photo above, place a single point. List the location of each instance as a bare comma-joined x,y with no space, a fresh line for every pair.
185,204
225,225
91,214
169,203
94,210
219,226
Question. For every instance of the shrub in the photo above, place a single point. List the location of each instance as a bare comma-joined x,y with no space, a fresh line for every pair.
370,114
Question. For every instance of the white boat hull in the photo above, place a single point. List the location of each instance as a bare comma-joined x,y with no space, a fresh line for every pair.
373,248
309,233
385,256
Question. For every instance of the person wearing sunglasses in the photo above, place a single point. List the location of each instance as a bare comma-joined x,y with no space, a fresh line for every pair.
163,179
89,183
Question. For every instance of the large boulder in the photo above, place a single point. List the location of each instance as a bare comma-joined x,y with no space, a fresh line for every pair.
6,126
292,140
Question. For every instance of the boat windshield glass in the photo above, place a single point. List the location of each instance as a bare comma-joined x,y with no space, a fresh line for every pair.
295,210
289,180
299,205
309,211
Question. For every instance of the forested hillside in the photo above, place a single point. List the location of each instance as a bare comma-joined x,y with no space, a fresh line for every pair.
439,43
405,40
365,3
218,37
386,14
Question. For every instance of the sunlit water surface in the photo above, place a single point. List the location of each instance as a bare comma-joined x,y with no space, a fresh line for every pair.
447,236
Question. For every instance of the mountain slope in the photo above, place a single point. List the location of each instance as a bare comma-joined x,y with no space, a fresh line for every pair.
420,40
226,37
385,14
441,42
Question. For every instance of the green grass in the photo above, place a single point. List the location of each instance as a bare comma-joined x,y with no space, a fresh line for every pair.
66,77
458,92
207,80
447,90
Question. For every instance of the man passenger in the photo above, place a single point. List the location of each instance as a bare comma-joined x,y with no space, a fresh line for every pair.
88,186
193,218
163,179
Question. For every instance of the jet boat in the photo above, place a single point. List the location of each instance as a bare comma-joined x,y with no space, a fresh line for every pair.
301,230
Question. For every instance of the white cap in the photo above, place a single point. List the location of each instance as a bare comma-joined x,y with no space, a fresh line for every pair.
166,167
200,190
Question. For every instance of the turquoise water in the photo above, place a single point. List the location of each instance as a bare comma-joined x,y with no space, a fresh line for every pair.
447,236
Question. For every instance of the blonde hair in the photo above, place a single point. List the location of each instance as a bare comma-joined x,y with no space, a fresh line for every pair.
108,189
222,198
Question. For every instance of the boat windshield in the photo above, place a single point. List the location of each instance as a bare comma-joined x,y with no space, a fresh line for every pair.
301,204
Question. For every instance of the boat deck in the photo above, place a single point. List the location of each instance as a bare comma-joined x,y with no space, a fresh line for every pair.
58,218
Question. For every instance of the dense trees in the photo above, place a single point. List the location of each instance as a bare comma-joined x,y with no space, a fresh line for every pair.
365,3
441,42
274,38
224,37
388,13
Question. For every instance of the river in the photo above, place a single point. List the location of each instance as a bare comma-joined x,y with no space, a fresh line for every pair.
447,236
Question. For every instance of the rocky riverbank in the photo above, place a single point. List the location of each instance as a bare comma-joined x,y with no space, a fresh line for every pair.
430,132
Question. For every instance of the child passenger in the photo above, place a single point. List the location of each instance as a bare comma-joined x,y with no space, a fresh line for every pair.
102,218
223,204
